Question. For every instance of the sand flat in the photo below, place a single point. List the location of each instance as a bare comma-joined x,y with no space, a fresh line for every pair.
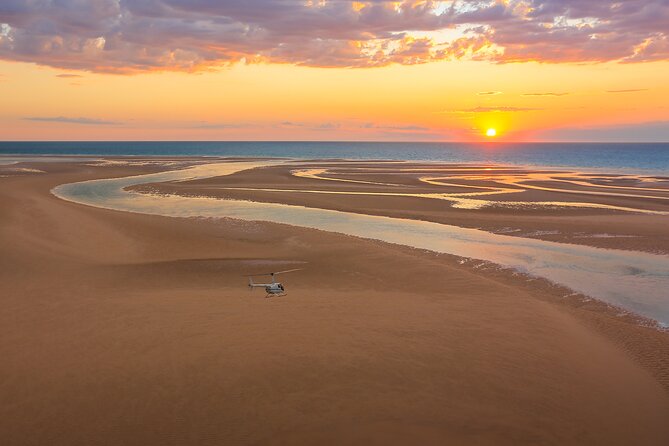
627,212
123,328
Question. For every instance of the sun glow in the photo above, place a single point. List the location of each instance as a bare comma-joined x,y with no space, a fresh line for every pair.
491,133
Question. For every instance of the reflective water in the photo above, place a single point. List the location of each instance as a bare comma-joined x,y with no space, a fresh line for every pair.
519,180
6,160
636,281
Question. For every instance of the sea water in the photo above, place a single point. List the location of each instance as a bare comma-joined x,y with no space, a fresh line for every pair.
651,158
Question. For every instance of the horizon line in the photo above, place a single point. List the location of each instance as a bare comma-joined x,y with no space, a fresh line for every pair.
321,141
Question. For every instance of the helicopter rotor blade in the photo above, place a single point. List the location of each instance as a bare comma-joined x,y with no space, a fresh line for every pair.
289,271
274,273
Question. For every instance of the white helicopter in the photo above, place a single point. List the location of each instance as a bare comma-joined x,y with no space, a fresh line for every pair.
273,289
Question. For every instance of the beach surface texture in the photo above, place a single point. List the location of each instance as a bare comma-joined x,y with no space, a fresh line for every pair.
127,328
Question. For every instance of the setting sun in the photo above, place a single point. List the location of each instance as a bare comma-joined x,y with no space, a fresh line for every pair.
491,132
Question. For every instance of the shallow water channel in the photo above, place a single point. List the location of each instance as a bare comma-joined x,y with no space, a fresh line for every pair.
636,281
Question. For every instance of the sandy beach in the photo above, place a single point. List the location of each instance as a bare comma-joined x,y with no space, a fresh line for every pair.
121,328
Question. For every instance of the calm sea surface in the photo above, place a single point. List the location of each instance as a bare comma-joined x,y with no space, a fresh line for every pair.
636,157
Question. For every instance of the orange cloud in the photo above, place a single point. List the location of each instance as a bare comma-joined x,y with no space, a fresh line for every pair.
195,35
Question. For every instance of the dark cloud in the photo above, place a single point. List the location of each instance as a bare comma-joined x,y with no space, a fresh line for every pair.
63,119
130,36
488,93
632,90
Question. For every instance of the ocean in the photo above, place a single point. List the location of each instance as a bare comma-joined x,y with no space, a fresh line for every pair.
628,157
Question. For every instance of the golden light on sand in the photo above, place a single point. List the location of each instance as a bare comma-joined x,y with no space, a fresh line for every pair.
491,133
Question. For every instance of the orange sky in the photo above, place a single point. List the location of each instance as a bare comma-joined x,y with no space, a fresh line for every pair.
452,98
435,101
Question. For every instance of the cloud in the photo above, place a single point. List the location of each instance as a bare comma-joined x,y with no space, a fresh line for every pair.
639,132
492,109
346,126
134,36
354,127
488,93
544,94
285,124
634,90
394,128
327,126
68,75
310,125
65,120
219,126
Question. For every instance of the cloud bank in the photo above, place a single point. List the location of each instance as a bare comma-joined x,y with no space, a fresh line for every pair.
67,120
640,132
131,36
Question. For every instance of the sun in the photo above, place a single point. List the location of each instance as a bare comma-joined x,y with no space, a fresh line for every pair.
491,132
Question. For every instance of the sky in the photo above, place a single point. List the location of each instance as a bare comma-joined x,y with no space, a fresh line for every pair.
532,70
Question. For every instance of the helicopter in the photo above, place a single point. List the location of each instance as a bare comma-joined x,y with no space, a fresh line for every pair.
272,289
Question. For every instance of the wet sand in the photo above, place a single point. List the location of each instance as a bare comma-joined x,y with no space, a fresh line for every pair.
630,212
122,328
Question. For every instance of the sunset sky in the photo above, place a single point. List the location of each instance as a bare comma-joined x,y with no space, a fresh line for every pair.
533,70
